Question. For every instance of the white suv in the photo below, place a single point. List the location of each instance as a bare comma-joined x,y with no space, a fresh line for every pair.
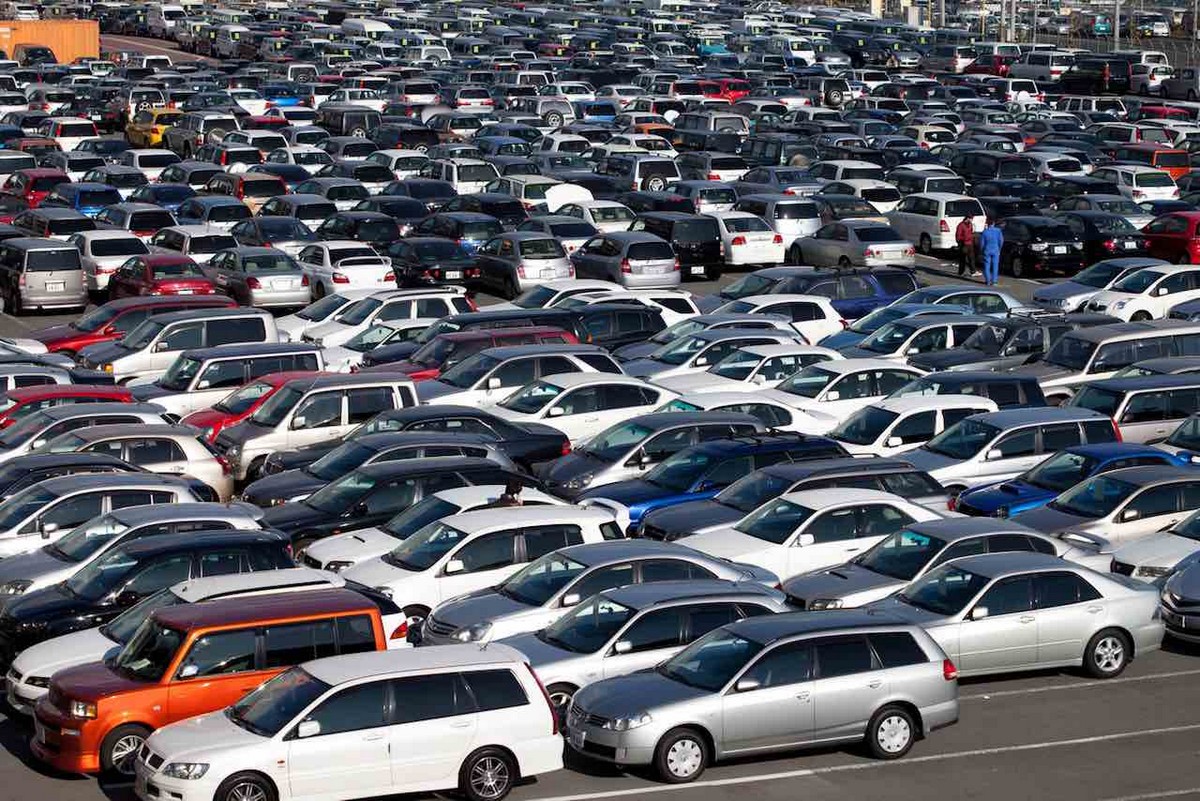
1139,183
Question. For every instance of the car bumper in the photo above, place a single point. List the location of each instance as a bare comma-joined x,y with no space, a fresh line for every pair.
22,698
281,299
651,281
63,743
618,747
1181,626
149,785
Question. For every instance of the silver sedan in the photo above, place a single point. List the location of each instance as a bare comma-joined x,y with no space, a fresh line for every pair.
266,278
1002,613
846,243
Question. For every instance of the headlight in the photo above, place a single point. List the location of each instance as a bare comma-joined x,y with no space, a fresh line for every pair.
338,567
1149,571
580,481
106,368
186,770
1038,247
37,681
82,709
15,587
1120,304
626,724
473,633
825,603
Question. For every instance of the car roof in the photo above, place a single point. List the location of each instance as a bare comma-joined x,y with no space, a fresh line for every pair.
766,629
139,515
1143,475
997,565
209,587
795,471
403,467
340,669
519,517
1007,418
1137,383
86,481
640,596
280,606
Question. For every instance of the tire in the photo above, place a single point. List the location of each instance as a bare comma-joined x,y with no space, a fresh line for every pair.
925,245
319,290
417,613
845,263
1107,654
118,751
834,97
1016,267
553,119
794,255
891,733
560,697
1191,95
1140,317
245,786
655,183
511,287
487,775
360,132
681,756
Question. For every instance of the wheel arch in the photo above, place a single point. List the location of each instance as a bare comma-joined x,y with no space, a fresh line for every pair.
257,774
909,707
714,751
504,749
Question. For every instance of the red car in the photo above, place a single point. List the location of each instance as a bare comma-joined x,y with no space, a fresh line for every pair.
240,404
16,404
445,350
116,318
733,89
32,185
159,274
262,122
1174,237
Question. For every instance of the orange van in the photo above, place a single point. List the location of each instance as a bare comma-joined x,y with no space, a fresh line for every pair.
1173,161
187,660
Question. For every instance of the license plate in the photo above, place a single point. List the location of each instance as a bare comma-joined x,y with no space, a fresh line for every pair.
578,738
1129,245
56,286
550,274
697,269
1059,249
452,275
96,116
283,284
187,292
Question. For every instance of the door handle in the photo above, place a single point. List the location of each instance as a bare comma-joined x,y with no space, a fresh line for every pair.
1092,610
462,724
373,737
1027,618
876,684
804,696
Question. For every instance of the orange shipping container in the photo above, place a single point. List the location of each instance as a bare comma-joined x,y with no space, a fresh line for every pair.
68,38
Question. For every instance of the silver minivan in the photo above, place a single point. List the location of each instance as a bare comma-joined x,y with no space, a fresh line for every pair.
306,411
773,682
40,273
1145,408
151,347
790,216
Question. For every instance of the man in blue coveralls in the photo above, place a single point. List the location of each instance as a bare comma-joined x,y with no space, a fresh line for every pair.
990,241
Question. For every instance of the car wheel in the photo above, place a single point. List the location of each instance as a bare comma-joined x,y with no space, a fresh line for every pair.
1140,317
1016,267
834,97
655,183
1144,90
416,615
360,132
891,733
1107,654
560,698
845,263
118,752
681,756
319,290
925,244
511,287
553,119
487,775
245,787
1191,95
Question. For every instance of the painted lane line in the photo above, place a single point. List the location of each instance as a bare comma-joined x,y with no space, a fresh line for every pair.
1160,794
1079,685
857,766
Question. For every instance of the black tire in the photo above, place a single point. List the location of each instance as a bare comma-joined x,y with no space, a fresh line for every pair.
1140,317
891,733
845,263
319,291
834,97
1191,95
925,245
119,750
553,119
487,775
511,287
655,183
681,756
417,613
360,132
793,255
1016,267
246,786
1107,654
560,697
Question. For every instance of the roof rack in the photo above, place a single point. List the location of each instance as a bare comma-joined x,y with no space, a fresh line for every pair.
1036,313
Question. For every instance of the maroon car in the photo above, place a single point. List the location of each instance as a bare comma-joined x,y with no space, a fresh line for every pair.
116,318
159,274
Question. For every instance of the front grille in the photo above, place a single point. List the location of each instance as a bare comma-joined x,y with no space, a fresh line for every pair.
437,628
15,675
1123,568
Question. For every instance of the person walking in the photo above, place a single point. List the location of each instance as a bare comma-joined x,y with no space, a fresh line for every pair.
991,240
964,235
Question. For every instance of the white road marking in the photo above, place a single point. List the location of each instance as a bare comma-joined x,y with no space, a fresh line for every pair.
1079,685
1161,794
141,44
856,766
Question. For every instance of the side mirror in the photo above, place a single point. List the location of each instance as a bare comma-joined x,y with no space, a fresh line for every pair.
1162,290
1130,514
893,442
48,529
758,378
833,395
308,728
979,613
747,685
701,361
187,671
571,598
454,566
556,411
912,351
298,422
805,540
994,453
493,383
643,458
37,443
204,384
161,346
623,647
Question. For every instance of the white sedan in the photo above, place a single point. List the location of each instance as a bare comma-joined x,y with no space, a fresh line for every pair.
747,238
344,264
829,392
750,368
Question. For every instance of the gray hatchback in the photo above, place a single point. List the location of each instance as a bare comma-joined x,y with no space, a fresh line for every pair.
767,684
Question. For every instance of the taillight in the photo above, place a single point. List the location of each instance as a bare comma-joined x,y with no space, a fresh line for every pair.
253,283
389,277
566,447
1117,432
304,280
868,253
712,176
944,226
401,632
520,271
626,267
845,324
677,266
1110,244
949,671
777,239
339,278
549,703
738,240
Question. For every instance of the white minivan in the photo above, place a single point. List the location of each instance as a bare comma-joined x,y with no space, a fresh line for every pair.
929,219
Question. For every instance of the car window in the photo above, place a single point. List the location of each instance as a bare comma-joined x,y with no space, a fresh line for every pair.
495,689
220,563
672,570
1008,596
842,656
161,573
363,706
541,540
654,630
1152,502
788,664
489,552
363,404
897,649
1061,589
439,695
1018,443
220,653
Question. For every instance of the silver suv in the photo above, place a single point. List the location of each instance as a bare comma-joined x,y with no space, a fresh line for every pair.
774,682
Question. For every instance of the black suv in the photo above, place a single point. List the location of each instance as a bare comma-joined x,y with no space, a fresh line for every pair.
987,165
1097,75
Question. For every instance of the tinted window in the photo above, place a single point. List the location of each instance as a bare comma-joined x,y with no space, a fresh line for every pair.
843,656
672,570
1008,596
355,634
659,629
363,404
285,646
495,689
897,649
223,332
361,707
787,664
430,697
219,653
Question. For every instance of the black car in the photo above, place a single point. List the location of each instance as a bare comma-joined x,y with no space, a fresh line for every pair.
1061,187
264,232
1001,207
430,191
405,210
400,136
644,201
988,165
1105,235
527,444
430,260
23,471
505,208
1012,341
1010,187
130,572
1039,244
1097,75
695,240
373,227
1008,390
372,494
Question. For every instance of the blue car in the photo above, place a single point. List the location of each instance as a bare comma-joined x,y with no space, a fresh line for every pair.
282,93
700,472
84,197
863,327
854,293
169,196
1043,483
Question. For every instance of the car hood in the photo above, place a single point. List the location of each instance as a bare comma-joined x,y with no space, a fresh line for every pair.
895,608
699,381
77,648
644,368
842,339
30,565
93,681
627,492
1061,291
49,603
692,515
479,606
625,696
193,739
1049,520
391,353
282,487
945,359
728,543
1043,371
709,303
148,392
353,545
376,573
428,390
291,516
575,463
927,460
102,353
56,332
838,582
1159,550
205,418
543,656
635,350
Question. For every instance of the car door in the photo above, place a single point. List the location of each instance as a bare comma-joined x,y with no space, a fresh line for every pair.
774,706
435,723
482,562
156,454
849,685
645,642
1006,637
64,515
1151,510
217,670
1069,610
848,394
1010,455
317,417
351,752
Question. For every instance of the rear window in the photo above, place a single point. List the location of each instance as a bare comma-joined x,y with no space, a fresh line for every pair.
961,208
126,246
77,129
41,261
728,163
211,244
46,182
230,213
481,230
156,160
952,185
1172,158
703,230
99,197
796,211
150,220
263,188
1153,179
71,225
645,251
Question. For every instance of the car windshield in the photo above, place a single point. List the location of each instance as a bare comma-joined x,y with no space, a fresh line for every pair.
125,625
680,350
24,431
1136,283
711,661
359,311
1187,435
147,656
679,470
1071,353
774,521
19,507
142,335
339,497
944,591
1061,471
749,492
316,312
276,407
807,383
372,338
737,365
423,549
889,338
470,370
180,374
987,339
101,575
1098,399
615,441
416,517
82,541
531,398
962,440
270,707
540,580
587,628
96,319
864,426
748,285
1189,528
240,400
1099,275
1094,498
901,555
877,319
680,329
340,461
